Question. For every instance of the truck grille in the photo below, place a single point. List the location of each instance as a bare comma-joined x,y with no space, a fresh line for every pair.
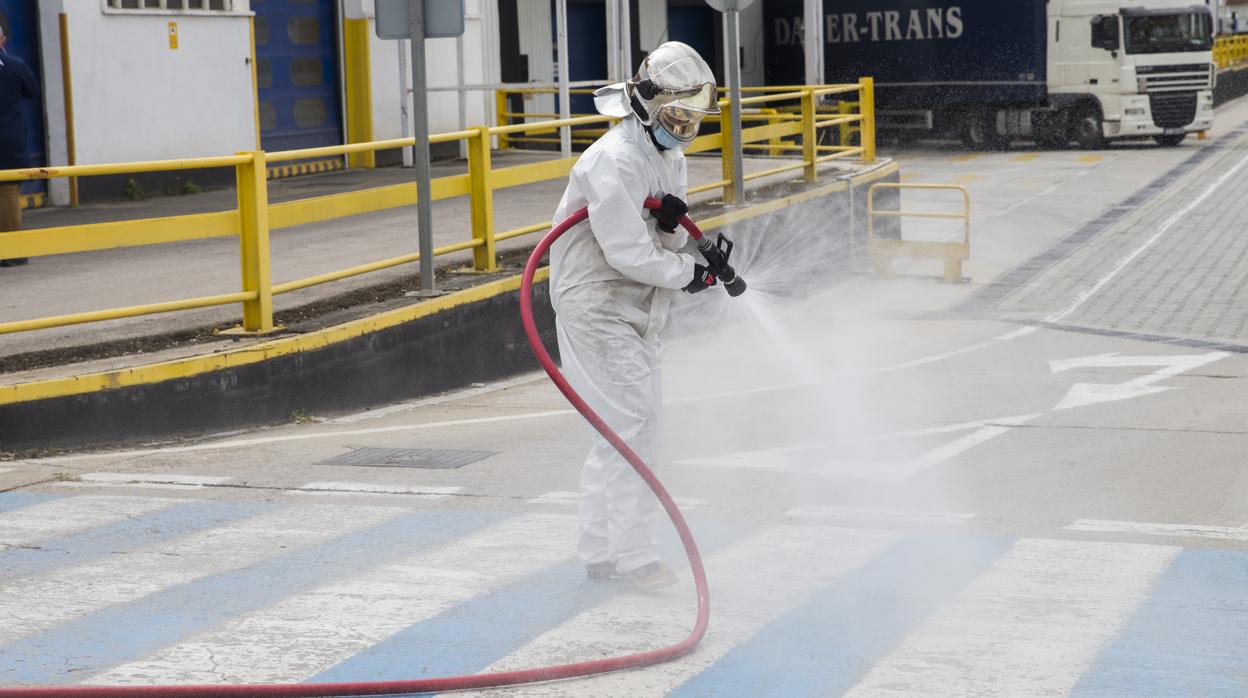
1173,109
1167,78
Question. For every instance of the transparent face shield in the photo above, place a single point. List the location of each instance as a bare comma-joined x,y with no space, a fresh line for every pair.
680,122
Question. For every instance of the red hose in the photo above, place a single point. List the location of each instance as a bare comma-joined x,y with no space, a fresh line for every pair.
502,678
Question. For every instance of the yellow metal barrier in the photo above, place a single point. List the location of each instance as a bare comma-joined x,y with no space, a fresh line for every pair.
255,217
1229,51
883,251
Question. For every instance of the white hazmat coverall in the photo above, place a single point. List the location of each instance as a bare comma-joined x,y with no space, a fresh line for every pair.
612,279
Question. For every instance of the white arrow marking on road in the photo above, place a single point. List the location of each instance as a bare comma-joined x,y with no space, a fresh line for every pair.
1083,394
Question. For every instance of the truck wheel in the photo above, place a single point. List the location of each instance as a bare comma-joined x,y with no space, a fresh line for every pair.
1170,140
979,131
1087,132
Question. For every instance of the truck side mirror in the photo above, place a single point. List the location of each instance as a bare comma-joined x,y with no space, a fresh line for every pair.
1105,32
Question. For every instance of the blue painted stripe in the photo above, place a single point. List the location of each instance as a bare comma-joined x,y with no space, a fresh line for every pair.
825,645
10,501
119,634
124,536
479,632
1189,638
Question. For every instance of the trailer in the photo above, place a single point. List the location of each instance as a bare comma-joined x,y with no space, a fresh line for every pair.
990,72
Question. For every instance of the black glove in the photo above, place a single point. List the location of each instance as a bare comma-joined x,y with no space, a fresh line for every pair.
703,278
669,213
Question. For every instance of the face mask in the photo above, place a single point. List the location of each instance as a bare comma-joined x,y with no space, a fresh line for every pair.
666,139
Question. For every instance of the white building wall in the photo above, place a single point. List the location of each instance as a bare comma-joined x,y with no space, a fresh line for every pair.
135,98
52,85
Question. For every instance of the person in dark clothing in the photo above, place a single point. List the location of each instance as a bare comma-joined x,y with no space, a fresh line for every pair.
17,83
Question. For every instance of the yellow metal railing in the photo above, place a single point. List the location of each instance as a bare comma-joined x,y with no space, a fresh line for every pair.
255,216
884,251
1230,50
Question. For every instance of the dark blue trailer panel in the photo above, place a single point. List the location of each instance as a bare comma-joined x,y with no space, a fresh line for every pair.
923,54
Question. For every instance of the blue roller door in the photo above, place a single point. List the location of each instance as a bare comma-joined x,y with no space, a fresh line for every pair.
21,25
297,73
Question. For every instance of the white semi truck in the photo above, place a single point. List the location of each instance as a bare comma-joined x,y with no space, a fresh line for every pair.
993,71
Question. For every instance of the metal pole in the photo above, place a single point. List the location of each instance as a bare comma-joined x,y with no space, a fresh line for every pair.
420,152
734,94
626,40
812,41
565,109
405,125
463,96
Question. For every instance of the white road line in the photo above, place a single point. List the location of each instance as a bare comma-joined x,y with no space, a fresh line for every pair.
1029,626
438,400
1162,529
307,633
882,515
34,604
821,459
1045,192
755,580
1122,263
353,488
565,497
923,361
63,517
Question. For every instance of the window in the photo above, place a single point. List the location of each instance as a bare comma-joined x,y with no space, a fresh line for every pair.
176,6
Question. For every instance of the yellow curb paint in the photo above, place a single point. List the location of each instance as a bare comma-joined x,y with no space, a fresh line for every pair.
1026,157
1090,158
968,157
966,179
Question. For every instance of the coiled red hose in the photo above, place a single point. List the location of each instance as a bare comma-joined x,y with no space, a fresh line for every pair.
502,678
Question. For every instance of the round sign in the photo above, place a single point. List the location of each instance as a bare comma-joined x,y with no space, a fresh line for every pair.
729,5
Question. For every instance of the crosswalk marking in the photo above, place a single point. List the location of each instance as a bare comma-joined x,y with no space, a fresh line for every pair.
566,497
1161,529
352,488
33,604
309,632
879,515
62,517
754,580
1030,625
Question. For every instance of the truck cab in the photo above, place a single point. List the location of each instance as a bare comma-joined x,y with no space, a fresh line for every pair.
1127,69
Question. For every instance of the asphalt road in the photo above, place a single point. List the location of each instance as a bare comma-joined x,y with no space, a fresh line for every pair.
1030,484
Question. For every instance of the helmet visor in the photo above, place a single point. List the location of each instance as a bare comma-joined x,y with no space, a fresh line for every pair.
680,122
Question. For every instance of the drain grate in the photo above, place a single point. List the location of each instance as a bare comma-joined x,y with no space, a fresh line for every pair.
408,458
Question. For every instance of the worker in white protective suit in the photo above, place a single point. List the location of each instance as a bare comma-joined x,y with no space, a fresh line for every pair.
612,281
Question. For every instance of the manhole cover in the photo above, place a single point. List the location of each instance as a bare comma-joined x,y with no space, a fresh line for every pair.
408,458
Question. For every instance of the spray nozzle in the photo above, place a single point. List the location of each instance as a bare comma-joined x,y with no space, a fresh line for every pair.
716,256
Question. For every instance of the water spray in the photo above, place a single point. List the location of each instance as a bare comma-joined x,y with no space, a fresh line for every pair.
717,260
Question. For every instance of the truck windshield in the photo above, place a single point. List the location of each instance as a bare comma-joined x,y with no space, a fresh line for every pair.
1168,33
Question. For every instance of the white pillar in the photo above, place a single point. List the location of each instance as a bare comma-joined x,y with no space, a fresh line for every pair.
625,41
561,28
812,41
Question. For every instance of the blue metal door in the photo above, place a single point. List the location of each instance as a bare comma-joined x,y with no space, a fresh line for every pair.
587,48
297,73
21,26
696,25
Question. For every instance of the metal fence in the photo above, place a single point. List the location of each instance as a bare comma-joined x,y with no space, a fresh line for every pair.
793,125
1230,51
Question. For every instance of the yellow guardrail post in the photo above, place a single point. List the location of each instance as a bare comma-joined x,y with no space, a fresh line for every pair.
810,143
725,149
866,109
482,193
500,118
253,224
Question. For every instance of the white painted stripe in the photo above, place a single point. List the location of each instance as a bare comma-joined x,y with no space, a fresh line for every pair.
33,604
1031,625
440,399
69,515
155,478
351,488
1162,529
755,580
1123,262
905,516
566,497
307,633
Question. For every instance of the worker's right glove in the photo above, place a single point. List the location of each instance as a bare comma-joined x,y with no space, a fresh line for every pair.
670,212
703,278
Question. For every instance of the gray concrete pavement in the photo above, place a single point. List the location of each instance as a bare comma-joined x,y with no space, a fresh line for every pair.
895,496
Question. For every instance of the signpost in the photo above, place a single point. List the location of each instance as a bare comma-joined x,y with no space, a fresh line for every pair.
731,10
416,20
